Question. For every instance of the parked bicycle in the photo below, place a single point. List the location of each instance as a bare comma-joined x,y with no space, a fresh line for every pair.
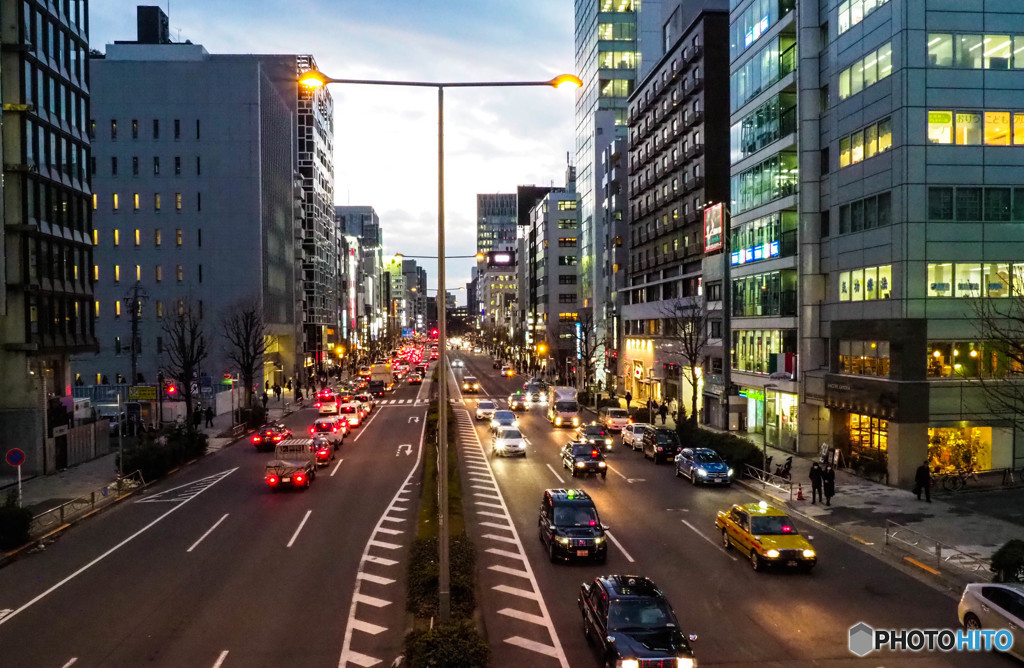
955,481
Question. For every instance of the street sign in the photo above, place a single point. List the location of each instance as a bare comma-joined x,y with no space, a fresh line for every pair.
194,388
15,456
142,393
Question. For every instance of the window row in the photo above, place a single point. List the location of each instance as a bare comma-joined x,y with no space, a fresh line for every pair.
866,72
56,204
767,124
775,60
114,164
865,214
56,316
977,52
59,152
755,21
616,31
972,128
852,12
974,204
158,273
134,124
971,359
764,238
53,94
52,259
157,237
136,201
867,143
975,279
868,284
864,358
773,294
768,181
159,311
753,349
50,40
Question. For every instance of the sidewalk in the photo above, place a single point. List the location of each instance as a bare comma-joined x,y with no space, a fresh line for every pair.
41,493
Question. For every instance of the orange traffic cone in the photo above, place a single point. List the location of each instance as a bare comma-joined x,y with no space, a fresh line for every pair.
800,492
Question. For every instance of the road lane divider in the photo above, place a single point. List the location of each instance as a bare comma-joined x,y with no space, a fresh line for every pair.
83,569
208,532
555,473
220,659
697,531
299,528
336,467
616,472
70,663
617,544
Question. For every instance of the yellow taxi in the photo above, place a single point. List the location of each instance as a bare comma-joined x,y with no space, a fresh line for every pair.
766,535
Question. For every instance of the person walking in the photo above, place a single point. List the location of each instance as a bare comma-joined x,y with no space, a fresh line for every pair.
208,413
828,480
923,482
629,399
816,482
277,391
663,412
264,399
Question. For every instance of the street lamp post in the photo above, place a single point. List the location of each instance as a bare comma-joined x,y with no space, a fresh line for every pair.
312,78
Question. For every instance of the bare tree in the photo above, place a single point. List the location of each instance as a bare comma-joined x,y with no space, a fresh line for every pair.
586,344
1000,327
186,348
686,320
245,341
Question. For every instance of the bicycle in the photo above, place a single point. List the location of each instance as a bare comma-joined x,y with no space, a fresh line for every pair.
955,481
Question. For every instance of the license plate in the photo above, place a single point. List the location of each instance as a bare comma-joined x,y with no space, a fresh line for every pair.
286,479
582,553
791,563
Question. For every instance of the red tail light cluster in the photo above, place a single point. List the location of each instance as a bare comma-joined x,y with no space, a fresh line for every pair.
256,438
271,480
594,453
299,478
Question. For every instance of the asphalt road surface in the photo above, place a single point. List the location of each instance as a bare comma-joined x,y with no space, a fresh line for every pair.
663,528
210,568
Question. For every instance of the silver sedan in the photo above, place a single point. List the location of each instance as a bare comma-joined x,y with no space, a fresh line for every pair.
508,441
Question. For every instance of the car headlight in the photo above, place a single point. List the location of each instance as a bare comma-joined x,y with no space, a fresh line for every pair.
685,662
558,422
575,422
564,540
598,540
515,423
601,465
580,465
702,473
607,441
629,663
809,554
772,554
494,423
730,473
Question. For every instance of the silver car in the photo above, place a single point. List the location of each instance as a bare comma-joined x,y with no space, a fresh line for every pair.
994,606
614,419
503,418
508,441
633,434
485,409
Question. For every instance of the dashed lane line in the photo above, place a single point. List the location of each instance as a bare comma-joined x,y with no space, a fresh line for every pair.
299,528
619,545
696,531
555,473
208,532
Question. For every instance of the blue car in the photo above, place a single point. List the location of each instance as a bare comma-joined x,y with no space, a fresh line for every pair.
703,466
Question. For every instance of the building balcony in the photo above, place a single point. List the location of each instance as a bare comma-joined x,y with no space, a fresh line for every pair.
693,85
695,118
693,52
694,150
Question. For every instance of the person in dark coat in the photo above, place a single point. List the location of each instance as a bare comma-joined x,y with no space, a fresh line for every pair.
923,482
828,480
208,414
663,412
629,399
816,482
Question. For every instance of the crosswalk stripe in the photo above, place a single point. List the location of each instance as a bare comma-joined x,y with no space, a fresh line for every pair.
524,616
509,571
376,579
359,659
515,591
495,525
503,539
490,514
390,532
367,627
505,553
533,645
386,546
372,600
380,560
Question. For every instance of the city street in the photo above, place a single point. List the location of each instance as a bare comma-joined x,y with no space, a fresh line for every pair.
209,567
663,528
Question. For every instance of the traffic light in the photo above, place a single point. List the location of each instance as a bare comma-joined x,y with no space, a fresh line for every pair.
171,389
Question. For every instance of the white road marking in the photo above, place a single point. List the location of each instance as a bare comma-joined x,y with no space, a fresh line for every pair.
509,571
487,504
379,560
487,513
494,525
208,532
336,467
376,579
386,546
514,591
619,545
10,616
220,659
367,627
299,528
371,600
505,553
616,472
390,532
503,539
394,519
696,531
524,616
533,645
364,425
360,659
71,662
555,474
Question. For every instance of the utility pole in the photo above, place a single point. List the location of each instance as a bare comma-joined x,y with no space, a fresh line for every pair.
134,300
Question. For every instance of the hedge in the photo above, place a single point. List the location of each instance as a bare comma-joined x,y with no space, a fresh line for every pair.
457,645
154,457
423,577
1008,562
14,523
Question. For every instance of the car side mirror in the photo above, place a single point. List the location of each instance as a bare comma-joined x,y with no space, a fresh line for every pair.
605,527
692,637
809,537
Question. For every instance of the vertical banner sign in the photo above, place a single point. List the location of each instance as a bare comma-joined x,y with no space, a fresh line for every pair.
713,239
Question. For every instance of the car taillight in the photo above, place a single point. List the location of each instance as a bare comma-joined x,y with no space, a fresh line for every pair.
594,454
255,438
311,430
299,478
318,404
271,480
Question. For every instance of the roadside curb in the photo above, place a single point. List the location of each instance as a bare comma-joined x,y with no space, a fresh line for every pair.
945,583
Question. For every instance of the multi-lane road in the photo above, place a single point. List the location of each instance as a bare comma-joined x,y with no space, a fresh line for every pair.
209,568
663,528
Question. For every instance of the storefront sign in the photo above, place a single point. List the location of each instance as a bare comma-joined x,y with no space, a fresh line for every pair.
751,393
713,218
841,387
142,393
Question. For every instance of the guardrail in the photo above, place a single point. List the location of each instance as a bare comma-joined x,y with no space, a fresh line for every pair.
767,479
65,512
940,555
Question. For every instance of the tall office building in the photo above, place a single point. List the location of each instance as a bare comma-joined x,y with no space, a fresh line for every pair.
496,216
363,223
45,236
616,43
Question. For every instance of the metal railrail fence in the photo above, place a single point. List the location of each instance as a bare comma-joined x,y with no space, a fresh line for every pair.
65,512
943,557
784,485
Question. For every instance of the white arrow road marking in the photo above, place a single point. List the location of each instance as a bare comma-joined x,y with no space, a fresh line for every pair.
208,532
696,531
297,530
8,617
414,418
619,545
406,447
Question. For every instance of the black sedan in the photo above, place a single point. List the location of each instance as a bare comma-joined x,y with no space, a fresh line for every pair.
517,401
595,435
269,435
632,624
584,458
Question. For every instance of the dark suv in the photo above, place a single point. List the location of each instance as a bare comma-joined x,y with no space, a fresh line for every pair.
582,458
632,623
570,527
661,444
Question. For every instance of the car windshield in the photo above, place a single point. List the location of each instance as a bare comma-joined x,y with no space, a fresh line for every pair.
595,431
486,405
504,415
666,437
578,516
566,406
510,434
582,449
617,413
640,613
772,525
707,457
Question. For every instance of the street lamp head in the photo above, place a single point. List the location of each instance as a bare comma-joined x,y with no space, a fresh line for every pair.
479,257
313,79
566,81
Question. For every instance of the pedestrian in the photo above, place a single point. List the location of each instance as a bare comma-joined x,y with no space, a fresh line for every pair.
209,416
288,385
197,418
266,386
923,482
663,412
629,399
264,400
828,479
816,482
277,391
673,408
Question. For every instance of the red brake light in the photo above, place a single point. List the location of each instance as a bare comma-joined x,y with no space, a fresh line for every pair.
787,529
593,523
271,480
255,438
298,479
594,453
311,430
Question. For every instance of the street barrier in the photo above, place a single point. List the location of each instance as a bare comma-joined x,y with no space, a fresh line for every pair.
943,557
70,510
784,485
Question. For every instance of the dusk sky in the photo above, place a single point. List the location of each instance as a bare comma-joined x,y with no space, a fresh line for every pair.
385,138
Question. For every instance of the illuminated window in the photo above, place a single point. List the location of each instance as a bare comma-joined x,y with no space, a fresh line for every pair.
997,128
95,272
159,309
940,279
968,279
95,201
117,238
116,202
159,273
177,236
95,237
156,201
138,236
997,52
1018,125
135,201
117,308
156,237
138,272
844,152
857,146
940,50
181,274
177,201
968,128
940,127
96,310
117,273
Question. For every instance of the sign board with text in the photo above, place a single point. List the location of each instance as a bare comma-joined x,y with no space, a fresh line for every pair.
142,393
713,224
